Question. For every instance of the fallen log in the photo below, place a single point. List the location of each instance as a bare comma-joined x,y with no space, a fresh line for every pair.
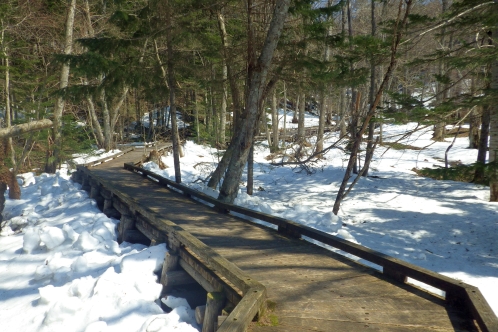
25,128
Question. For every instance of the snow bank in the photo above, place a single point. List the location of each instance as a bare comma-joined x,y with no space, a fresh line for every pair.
61,268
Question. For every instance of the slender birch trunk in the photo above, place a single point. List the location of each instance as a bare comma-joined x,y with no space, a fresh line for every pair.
53,162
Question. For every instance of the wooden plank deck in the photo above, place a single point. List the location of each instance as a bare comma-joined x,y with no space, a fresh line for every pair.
312,289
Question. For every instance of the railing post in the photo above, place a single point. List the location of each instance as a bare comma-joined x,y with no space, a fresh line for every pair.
214,303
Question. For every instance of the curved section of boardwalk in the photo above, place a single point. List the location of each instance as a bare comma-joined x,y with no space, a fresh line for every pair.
309,288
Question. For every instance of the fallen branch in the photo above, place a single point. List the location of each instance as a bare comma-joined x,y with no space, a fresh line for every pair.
300,162
25,128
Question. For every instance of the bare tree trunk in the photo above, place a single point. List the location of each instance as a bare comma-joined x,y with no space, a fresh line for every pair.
323,98
95,123
64,81
371,95
223,108
237,107
483,144
493,128
274,120
440,128
285,116
250,171
398,32
107,121
300,124
475,122
172,101
257,73
8,111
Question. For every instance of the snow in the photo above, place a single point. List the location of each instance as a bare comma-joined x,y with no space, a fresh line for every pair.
444,226
61,268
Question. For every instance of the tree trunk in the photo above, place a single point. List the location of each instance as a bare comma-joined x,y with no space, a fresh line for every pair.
172,102
107,121
285,117
493,127
8,111
483,145
398,32
274,120
64,81
475,122
371,95
237,107
300,124
257,73
95,123
323,98
441,93
223,108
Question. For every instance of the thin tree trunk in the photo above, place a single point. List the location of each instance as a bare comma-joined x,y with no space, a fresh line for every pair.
398,32
483,144
274,120
285,116
493,127
371,95
64,81
223,108
250,171
8,111
95,123
237,107
172,101
300,124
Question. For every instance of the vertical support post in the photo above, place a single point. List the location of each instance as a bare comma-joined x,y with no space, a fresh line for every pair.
94,190
170,264
126,222
214,304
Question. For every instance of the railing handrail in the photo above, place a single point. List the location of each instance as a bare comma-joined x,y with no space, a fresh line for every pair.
254,293
455,290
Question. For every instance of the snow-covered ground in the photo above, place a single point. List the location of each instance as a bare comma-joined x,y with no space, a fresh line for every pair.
445,226
61,268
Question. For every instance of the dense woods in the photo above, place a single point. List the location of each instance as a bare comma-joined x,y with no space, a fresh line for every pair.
109,72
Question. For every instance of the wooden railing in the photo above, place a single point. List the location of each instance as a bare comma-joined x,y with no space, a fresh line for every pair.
253,300
457,292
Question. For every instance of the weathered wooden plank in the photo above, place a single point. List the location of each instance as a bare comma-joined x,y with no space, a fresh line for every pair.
214,304
245,311
211,286
310,277
481,310
177,278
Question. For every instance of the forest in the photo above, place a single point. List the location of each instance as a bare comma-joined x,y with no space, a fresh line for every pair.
86,74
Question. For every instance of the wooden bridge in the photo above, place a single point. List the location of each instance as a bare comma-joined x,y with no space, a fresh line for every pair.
259,278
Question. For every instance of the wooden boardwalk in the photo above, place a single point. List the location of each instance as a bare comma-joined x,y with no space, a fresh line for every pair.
308,288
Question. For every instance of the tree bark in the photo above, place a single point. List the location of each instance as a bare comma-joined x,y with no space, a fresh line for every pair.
25,128
172,96
493,128
274,120
257,73
398,33
300,124
223,108
64,81
483,144
371,95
